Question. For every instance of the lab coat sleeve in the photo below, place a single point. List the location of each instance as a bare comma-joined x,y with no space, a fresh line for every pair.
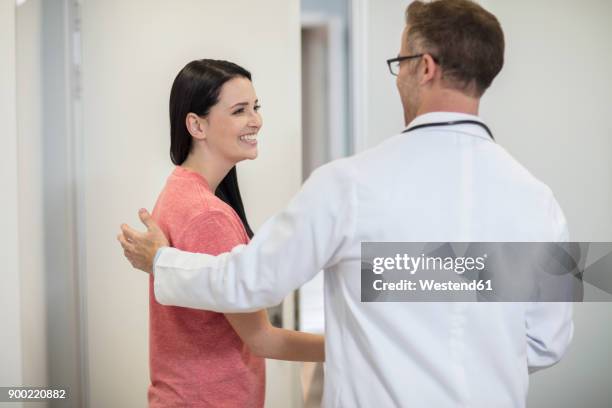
550,326
287,251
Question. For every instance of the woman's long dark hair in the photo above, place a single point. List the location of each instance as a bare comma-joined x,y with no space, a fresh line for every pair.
196,89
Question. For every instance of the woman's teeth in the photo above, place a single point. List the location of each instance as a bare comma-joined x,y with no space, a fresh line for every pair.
249,138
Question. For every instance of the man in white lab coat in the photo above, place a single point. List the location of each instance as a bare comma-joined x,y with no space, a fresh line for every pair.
443,179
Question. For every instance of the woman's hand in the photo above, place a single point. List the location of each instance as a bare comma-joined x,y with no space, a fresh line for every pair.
140,247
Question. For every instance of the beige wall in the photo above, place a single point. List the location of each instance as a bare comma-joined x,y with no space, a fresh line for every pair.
132,51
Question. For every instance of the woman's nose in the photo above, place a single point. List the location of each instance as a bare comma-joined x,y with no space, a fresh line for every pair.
255,120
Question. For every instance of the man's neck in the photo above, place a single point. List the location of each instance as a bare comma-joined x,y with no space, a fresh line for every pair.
450,101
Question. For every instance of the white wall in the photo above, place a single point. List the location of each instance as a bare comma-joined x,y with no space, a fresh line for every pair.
383,107
10,303
30,163
132,51
550,107
49,303
315,100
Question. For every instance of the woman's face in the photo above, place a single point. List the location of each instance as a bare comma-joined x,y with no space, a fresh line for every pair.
233,123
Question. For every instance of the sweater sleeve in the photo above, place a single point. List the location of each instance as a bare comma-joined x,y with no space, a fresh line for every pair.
212,232
311,234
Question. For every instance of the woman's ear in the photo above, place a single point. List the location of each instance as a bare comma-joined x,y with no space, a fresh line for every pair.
195,126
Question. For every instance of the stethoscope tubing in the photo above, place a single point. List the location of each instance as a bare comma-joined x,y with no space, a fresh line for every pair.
452,123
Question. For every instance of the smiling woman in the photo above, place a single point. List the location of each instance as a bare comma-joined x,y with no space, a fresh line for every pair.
208,129
200,357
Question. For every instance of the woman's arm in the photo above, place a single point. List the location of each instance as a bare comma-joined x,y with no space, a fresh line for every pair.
212,232
289,249
265,340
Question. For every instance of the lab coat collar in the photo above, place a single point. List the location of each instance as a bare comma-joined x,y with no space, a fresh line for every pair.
434,117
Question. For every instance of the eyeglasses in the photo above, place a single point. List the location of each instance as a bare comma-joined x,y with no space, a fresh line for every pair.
394,63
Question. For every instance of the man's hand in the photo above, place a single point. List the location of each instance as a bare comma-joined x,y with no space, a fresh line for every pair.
140,247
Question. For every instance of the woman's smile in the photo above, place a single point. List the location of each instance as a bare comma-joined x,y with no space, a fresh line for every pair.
249,139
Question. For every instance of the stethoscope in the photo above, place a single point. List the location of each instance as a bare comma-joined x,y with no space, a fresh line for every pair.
452,123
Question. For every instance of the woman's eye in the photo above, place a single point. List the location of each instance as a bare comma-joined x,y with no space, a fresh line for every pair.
241,110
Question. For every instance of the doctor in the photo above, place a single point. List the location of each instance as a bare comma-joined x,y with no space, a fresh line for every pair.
442,179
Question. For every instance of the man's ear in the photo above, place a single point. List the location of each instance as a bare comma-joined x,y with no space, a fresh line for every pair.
429,69
196,126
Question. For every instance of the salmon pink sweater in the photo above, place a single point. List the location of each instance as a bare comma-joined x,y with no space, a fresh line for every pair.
196,358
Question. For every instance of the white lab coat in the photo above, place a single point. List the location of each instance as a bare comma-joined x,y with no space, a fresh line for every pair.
434,184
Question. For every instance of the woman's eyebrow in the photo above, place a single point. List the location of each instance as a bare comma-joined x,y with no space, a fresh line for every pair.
243,104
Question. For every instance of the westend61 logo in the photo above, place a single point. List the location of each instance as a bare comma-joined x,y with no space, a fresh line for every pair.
411,264
486,271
